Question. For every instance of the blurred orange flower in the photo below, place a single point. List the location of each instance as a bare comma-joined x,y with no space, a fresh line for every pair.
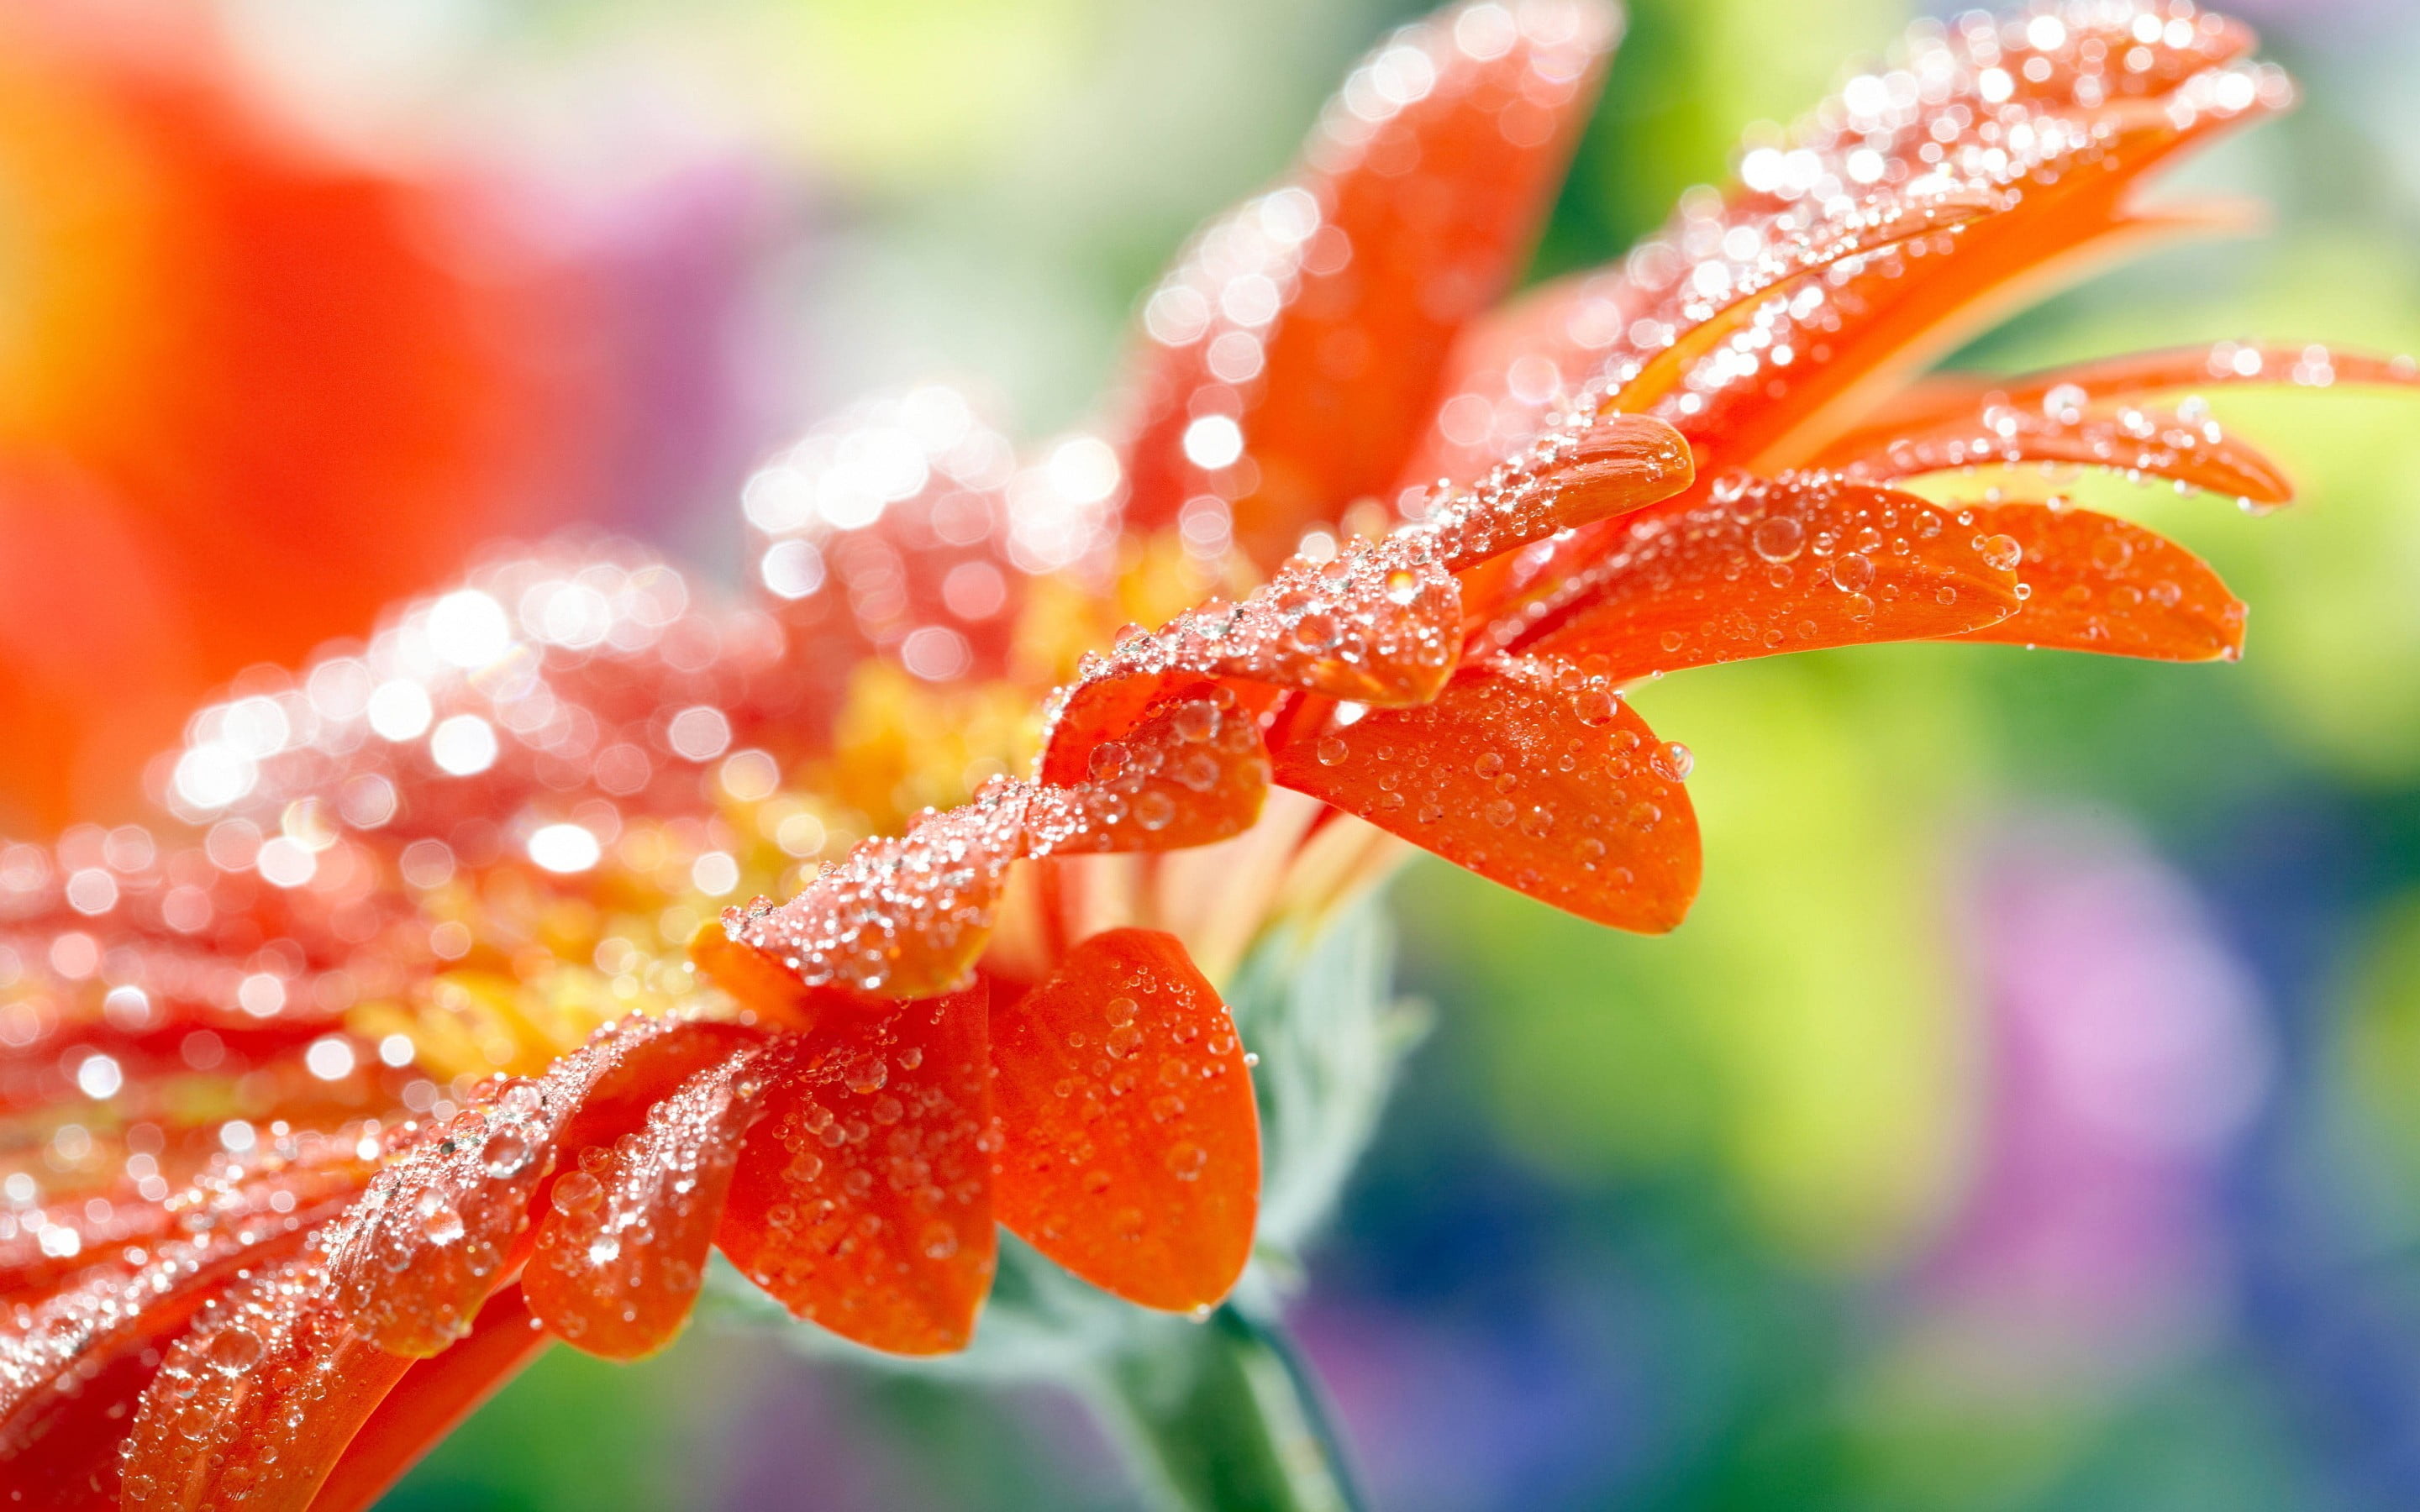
397,1060
242,405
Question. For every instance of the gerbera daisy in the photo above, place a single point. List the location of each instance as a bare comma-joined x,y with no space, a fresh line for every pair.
428,1036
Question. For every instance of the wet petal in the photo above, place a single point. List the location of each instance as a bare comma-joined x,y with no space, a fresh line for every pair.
1190,771
1765,384
1792,564
2111,586
61,1451
2135,377
101,1323
434,1395
1609,467
255,1404
923,571
862,1199
2067,147
2160,443
621,1252
1531,773
904,917
1313,321
1130,1147
441,1224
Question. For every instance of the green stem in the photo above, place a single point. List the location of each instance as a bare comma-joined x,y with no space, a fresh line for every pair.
1224,1416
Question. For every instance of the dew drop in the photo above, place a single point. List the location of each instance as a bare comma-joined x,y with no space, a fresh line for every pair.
505,1151
1315,632
1852,571
2001,553
233,1349
1673,762
440,1222
579,1192
1195,722
1155,810
1777,538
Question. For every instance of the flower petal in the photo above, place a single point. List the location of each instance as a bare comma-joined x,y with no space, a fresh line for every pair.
62,1451
922,477
433,1396
904,916
443,1224
2159,443
2111,586
1792,564
1188,772
113,1312
1129,1145
256,1402
1317,318
2134,377
621,1252
1531,773
2070,146
862,1199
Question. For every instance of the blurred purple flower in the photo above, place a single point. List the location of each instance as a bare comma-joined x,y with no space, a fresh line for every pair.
2126,1052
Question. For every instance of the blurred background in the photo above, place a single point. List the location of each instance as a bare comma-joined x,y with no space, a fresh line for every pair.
2027,1117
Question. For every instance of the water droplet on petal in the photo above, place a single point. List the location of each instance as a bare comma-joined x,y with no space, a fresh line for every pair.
1777,538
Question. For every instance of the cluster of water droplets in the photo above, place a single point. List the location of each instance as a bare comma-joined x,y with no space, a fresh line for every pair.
1127,1113
1320,283
1757,566
873,1160
621,1252
908,526
234,1210
1149,749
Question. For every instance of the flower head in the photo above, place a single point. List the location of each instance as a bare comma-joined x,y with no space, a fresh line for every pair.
1406,556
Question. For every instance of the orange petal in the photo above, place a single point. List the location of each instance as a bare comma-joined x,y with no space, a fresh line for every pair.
1615,465
2065,149
1330,304
862,1199
256,1403
1793,565
1531,774
774,994
113,1312
1188,771
2139,375
62,1451
2160,443
1509,368
2111,586
846,596
440,1224
904,917
433,1396
621,1252
1130,1148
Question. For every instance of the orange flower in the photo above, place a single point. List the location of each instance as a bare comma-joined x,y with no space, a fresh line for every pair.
270,1256
241,408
